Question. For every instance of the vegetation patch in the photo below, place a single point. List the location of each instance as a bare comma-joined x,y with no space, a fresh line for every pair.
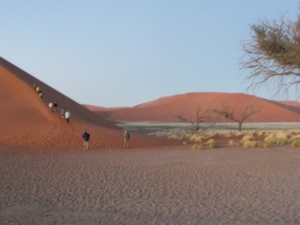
255,144
247,137
204,139
233,143
211,144
296,143
197,147
207,145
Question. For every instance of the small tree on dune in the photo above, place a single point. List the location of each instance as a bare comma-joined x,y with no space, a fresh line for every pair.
199,118
228,113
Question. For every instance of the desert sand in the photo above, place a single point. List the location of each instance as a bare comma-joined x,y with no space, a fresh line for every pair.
150,186
47,177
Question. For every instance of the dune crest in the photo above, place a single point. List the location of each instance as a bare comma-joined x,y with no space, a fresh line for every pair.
166,109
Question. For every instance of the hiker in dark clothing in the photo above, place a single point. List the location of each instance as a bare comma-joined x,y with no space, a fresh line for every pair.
86,138
55,105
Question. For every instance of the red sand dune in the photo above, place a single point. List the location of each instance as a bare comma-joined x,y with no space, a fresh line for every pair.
167,109
26,120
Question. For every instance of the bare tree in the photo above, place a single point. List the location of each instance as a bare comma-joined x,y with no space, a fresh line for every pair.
228,113
199,118
273,55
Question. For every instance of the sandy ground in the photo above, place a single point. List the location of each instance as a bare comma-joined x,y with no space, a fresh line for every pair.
46,177
168,185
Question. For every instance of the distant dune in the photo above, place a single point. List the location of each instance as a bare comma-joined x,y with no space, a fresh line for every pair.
26,120
166,109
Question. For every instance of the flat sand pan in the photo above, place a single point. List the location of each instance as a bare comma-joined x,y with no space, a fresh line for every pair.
170,185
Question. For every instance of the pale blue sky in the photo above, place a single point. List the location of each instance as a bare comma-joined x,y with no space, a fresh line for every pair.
123,53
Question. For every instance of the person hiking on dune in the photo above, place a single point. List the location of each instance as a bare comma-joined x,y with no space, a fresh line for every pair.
126,139
51,106
38,89
41,95
63,112
86,138
55,105
67,116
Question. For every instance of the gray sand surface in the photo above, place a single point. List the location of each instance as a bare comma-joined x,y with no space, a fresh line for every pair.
151,186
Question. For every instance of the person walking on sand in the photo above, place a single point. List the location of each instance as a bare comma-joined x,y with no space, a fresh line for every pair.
38,89
126,139
51,106
67,116
86,138
41,95
55,105
63,112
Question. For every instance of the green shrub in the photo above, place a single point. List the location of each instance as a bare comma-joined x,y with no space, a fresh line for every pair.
296,143
282,141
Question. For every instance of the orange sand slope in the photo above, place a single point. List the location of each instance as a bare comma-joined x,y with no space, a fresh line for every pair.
167,109
26,120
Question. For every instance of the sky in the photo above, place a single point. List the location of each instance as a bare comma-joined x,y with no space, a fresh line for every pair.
115,53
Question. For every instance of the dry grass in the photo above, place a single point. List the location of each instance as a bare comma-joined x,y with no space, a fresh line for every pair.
295,143
233,143
261,133
211,143
281,137
207,145
197,138
255,144
247,138
197,147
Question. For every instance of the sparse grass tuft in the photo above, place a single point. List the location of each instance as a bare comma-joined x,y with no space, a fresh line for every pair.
270,140
283,135
278,138
260,133
295,143
247,137
197,147
211,143
233,143
282,141
197,138
253,144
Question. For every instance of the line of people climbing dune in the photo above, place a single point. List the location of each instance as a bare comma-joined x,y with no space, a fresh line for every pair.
65,114
53,106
